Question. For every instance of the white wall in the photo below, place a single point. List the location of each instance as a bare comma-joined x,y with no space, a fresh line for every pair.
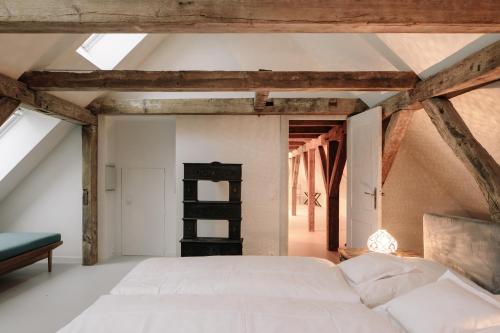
20,139
32,159
259,143
252,141
50,198
134,142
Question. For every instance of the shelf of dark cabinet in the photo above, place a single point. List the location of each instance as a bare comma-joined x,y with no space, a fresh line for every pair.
218,240
212,202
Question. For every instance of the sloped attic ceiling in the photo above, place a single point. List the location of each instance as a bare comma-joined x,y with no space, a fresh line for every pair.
314,52
46,51
481,112
425,54
58,52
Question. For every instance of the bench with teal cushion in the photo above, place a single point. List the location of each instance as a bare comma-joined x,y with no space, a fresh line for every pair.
19,249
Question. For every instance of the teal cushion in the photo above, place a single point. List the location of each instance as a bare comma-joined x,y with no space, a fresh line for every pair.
15,243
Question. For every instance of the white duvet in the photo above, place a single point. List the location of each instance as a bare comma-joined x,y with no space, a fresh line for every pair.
224,314
292,277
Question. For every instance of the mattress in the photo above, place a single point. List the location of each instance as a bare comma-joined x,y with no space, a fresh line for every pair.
235,314
273,276
15,243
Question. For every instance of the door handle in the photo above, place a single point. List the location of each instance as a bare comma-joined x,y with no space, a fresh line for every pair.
374,195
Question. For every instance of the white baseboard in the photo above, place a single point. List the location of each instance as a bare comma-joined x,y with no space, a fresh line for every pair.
66,260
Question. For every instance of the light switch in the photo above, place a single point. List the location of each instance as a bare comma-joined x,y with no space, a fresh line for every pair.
110,178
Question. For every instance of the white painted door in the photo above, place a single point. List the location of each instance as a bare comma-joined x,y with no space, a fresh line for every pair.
364,180
143,212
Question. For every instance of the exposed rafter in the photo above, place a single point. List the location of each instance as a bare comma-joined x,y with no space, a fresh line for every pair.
314,122
232,16
394,134
335,133
296,106
475,158
324,166
337,154
480,68
117,80
44,102
302,136
309,129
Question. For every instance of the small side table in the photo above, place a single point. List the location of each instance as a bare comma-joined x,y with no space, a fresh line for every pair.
348,253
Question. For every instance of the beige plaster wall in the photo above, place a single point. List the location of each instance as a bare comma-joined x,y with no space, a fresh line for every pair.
427,177
252,141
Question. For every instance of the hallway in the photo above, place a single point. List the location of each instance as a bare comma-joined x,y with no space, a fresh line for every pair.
301,242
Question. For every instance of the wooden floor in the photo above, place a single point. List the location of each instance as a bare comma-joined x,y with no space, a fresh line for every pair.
301,242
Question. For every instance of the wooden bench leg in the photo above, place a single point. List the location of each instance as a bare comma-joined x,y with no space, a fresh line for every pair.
50,260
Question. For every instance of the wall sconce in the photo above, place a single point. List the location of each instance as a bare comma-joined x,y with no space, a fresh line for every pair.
383,242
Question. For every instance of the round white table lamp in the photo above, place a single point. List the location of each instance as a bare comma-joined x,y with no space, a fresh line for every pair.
383,242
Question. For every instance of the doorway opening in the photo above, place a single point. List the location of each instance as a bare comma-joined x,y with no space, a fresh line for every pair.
317,188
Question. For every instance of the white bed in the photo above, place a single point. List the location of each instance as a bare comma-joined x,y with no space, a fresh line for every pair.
293,277
225,314
295,294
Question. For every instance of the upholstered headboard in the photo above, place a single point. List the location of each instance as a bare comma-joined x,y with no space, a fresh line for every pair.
469,246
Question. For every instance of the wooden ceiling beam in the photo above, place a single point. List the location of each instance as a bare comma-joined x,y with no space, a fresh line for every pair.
309,129
475,158
314,122
44,102
336,134
477,70
228,106
260,100
393,137
196,81
333,203
257,16
302,136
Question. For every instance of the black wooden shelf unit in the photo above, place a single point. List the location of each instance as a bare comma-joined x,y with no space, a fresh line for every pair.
194,210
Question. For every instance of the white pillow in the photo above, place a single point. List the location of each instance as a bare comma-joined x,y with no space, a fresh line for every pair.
443,306
493,329
374,293
470,286
374,266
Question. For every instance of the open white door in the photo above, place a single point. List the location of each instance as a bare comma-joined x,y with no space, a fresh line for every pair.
364,176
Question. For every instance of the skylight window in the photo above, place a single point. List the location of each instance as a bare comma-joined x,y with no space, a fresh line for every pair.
107,50
10,122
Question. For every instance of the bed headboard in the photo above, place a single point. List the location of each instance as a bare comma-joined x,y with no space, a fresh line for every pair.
469,246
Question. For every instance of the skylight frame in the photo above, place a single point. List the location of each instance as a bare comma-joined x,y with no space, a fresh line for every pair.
13,119
106,51
91,42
